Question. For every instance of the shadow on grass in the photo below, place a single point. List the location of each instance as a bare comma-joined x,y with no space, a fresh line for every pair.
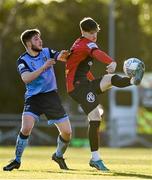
92,172
132,175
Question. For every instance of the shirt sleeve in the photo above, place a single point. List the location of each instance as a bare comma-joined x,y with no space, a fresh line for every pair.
53,54
22,66
96,53
101,56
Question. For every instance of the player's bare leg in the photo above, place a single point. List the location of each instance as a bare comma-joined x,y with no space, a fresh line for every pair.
62,143
21,142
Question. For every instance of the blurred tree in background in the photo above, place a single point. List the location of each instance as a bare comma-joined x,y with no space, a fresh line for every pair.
59,24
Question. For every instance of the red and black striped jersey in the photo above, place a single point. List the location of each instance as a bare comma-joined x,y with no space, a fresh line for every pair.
78,65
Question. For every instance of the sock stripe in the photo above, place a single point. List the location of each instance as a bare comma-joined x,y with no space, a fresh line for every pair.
61,138
22,136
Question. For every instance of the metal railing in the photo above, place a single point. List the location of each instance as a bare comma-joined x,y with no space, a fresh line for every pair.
10,125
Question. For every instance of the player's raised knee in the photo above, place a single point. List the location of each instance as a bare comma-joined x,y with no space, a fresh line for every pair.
105,82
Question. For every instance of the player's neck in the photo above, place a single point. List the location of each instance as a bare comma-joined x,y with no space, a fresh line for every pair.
32,53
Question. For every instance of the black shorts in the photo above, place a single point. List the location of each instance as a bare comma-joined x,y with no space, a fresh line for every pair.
45,103
85,93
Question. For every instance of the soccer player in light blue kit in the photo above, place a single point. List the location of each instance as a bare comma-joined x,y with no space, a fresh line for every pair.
36,69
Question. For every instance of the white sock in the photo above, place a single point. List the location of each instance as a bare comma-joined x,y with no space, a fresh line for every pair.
95,155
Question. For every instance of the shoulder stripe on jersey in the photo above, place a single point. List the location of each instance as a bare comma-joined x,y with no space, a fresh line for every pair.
92,45
24,70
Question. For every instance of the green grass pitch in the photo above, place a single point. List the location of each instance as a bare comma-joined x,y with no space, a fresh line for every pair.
124,163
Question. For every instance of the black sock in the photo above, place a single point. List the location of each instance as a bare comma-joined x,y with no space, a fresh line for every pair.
120,81
22,136
93,132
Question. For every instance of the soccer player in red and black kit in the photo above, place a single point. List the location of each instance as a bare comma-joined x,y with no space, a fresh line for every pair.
84,88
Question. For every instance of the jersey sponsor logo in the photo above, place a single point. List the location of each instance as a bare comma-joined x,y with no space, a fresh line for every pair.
92,45
21,66
90,97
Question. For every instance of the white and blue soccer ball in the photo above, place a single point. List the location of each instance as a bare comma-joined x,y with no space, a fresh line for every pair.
130,66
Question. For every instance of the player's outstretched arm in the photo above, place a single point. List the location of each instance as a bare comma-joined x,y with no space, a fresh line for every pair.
27,76
101,56
105,58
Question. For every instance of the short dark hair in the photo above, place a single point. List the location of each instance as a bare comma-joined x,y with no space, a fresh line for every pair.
88,24
28,34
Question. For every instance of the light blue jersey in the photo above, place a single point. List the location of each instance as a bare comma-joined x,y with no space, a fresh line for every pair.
46,82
